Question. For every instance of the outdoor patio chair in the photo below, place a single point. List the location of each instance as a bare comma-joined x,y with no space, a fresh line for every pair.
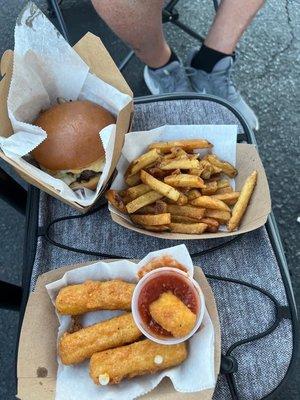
248,273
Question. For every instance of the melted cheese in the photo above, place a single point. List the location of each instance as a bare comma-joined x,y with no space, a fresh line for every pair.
96,166
64,175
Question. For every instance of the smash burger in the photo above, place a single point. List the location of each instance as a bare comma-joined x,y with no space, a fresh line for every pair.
73,150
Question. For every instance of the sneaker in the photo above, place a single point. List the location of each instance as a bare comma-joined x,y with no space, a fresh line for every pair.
169,79
219,83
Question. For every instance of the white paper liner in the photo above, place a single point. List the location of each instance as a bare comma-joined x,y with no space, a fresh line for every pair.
223,137
196,373
45,68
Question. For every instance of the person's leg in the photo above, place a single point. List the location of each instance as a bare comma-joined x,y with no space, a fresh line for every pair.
231,20
212,64
139,24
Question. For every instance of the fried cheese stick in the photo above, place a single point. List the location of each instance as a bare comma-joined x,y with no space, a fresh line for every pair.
140,358
172,314
78,346
94,295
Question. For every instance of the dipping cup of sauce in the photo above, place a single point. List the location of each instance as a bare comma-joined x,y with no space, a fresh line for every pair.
172,298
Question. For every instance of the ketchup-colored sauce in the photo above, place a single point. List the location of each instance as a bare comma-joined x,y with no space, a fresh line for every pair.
165,282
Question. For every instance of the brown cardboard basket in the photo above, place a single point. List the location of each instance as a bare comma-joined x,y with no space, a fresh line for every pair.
247,160
94,54
37,356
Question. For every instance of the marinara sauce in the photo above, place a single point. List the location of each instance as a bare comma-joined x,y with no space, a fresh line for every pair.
165,282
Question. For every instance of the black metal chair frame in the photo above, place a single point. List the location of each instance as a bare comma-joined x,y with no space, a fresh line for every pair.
15,297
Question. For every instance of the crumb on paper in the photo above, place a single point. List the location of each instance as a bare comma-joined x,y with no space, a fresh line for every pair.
41,372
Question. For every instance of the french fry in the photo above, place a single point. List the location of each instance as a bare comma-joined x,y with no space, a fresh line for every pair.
228,198
147,219
116,200
207,169
214,178
181,219
221,216
225,166
197,228
216,170
187,211
224,190
133,180
184,180
146,210
178,152
159,186
157,228
136,191
193,194
210,188
169,156
157,172
223,183
142,162
196,171
240,207
193,156
144,200
187,145
182,200
212,224
183,163
209,202
160,207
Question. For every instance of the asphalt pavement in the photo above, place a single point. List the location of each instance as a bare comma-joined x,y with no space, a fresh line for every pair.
268,76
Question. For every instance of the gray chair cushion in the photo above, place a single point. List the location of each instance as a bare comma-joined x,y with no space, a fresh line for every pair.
243,312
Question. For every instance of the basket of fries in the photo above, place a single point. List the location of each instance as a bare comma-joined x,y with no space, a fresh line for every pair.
189,182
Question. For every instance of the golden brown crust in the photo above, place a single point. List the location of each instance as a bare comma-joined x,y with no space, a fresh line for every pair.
94,295
79,346
138,358
172,314
72,135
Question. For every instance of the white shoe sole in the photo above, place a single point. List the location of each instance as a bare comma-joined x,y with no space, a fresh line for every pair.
149,82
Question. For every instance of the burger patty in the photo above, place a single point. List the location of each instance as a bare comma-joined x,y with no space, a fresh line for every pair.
86,175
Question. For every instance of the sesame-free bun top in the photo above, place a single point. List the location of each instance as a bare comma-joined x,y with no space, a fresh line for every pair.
73,140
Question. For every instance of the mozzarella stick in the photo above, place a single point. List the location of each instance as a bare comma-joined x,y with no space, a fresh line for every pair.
94,295
140,358
172,315
79,346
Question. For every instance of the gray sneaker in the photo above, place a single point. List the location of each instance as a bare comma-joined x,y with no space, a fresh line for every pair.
169,79
219,83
